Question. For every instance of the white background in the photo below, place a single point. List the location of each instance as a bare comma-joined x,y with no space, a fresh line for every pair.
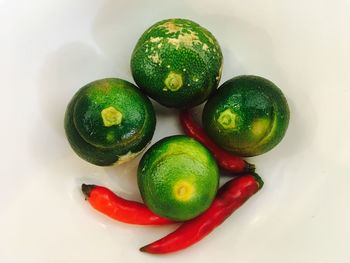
49,49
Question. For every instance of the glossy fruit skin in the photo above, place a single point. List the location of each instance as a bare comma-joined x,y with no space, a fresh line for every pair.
120,209
102,143
178,178
225,160
177,62
247,116
230,197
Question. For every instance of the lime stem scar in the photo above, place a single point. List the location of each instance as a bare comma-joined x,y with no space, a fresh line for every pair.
183,191
173,81
111,116
227,119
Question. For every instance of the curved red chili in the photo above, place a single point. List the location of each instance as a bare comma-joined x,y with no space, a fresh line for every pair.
230,197
225,159
110,204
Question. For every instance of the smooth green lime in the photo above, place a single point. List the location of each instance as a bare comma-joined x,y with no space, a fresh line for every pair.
178,178
177,62
109,121
248,115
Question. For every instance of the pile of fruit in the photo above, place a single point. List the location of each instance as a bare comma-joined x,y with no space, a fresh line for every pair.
177,63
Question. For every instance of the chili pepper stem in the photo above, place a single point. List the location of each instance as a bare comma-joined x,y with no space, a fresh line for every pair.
258,179
249,167
86,189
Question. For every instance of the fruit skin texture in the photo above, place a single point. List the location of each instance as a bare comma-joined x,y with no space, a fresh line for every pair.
120,209
109,121
178,178
225,160
230,197
177,62
248,115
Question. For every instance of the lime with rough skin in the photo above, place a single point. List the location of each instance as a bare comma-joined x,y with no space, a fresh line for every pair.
248,115
109,121
177,62
178,178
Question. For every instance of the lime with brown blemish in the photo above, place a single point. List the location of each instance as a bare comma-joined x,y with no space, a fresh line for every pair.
177,62
109,121
248,115
178,178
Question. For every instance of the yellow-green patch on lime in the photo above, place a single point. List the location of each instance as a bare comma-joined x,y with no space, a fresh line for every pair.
248,115
178,178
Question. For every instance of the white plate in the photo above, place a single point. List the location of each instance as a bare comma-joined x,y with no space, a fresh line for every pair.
49,49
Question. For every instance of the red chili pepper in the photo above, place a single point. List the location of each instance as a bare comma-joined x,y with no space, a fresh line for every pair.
225,159
230,197
131,212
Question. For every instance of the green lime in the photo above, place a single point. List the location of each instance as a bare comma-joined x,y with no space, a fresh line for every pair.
109,121
177,62
248,115
178,178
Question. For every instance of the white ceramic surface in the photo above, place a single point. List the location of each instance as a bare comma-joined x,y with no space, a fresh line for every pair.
48,49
